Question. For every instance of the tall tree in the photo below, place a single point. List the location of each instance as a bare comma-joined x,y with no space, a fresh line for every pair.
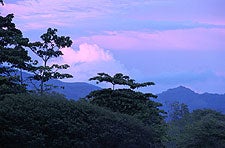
130,102
13,55
46,50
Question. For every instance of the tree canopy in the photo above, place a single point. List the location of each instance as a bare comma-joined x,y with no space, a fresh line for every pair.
119,79
28,120
130,102
201,128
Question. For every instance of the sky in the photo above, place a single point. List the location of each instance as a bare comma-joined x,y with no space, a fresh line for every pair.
169,42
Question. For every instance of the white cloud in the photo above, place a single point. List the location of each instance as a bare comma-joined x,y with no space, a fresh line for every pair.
89,60
86,53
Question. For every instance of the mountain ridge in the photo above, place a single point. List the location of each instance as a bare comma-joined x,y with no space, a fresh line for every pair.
71,90
194,100
181,94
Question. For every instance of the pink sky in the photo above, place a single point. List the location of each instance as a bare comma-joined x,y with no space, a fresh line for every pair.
191,39
166,41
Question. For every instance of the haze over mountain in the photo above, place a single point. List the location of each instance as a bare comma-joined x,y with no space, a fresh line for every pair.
192,99
73,90
181,94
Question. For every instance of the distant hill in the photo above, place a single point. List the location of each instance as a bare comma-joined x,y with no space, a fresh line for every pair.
181,94
192,99
73,90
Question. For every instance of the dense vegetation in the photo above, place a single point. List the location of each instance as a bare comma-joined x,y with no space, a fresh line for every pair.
202,128
29,120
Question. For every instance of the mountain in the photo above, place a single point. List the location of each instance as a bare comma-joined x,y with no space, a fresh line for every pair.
71,90
180,94
74,90
192,99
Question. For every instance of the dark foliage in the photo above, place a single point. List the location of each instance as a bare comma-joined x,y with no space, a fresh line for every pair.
120,79
51,121
202,128
13,56
130,102
46,50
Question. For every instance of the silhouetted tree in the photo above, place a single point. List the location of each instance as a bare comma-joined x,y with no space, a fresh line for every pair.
13,55
46,50
119,79
130,102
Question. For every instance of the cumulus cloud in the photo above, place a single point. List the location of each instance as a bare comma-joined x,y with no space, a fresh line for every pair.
86,53
89,60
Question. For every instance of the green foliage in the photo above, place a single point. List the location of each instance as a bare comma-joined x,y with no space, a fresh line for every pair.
29,120
201,128
130,102
46,50
13,56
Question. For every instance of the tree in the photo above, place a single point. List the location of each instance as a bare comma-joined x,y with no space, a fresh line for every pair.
47,49
178,111
130,102
119,79
13,56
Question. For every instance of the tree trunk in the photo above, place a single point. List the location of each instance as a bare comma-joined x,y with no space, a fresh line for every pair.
42,77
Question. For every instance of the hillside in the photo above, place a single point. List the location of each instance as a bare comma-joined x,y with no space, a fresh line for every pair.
73,90
181,94
192,99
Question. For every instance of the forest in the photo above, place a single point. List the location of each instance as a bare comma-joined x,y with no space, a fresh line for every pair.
109,117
